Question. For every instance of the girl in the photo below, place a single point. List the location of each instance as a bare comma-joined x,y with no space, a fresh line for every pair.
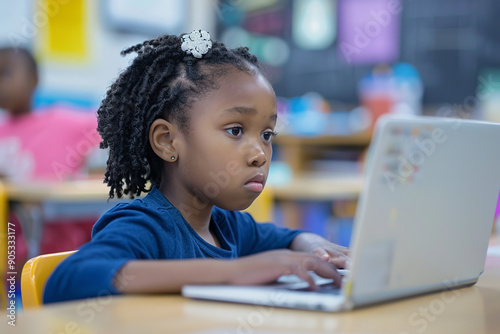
194,119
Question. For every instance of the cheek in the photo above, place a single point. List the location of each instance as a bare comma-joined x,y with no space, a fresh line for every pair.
203,157
269,151
215,149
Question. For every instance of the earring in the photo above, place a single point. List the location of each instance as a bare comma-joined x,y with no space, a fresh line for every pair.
172,158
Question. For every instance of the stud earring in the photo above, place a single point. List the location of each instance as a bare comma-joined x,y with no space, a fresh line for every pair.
172,158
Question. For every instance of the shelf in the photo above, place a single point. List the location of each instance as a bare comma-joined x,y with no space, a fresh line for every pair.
313,187
297,151
355,139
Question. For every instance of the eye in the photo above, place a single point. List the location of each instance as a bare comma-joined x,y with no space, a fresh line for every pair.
235,131
269,135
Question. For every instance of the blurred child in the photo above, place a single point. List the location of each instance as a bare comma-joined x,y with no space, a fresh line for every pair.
50,144
44,145
195,120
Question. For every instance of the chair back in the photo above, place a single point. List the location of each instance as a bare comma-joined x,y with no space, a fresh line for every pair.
4,211
35,273
262,209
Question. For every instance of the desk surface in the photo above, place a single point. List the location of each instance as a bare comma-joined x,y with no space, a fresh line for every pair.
81,190
306,187
470,310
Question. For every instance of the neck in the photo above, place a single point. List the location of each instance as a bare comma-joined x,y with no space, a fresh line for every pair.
194,210
20,111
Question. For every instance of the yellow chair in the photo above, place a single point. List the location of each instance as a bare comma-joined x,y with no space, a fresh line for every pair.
4,211
262,208
35,273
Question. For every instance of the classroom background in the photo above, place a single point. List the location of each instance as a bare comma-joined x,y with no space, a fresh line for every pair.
335,65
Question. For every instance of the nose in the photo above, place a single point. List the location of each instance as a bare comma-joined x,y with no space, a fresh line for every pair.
257,156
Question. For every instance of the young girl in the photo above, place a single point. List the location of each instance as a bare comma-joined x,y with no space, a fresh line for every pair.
195,120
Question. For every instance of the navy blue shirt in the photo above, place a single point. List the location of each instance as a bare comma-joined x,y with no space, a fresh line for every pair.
152,228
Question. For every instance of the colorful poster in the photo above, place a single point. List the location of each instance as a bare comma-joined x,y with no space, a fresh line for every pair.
66,29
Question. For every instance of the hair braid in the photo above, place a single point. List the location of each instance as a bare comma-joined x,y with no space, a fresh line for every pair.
162,82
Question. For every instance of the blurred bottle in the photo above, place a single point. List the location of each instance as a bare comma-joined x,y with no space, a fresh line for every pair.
488,95
396,89
308,114
408,90
376,92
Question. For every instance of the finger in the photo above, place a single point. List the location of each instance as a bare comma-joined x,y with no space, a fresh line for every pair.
328,270
340,261
302,273
343,250
322,254
336,249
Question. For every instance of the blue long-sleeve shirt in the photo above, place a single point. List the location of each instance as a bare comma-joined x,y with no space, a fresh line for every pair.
152,228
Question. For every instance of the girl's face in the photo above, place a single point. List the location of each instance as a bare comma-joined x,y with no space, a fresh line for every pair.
226,153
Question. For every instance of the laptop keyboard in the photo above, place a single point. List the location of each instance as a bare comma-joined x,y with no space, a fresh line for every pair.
326,288
294,283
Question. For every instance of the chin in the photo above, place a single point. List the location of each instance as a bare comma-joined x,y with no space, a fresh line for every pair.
232,205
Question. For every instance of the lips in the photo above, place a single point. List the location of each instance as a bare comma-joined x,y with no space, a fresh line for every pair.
259,178
256,183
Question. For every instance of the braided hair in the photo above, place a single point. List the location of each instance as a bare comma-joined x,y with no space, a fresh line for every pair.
163,81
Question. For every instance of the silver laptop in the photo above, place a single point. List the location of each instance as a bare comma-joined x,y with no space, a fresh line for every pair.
422,224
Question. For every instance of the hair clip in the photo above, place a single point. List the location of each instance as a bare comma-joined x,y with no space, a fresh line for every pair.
196,43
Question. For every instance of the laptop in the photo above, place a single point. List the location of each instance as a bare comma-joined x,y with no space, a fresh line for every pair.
422,223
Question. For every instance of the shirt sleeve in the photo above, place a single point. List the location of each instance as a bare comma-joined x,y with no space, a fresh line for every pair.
91,270
252,237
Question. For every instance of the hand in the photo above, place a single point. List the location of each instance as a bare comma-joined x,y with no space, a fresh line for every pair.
266,267
312,243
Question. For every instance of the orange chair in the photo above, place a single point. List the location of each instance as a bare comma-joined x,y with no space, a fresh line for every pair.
35,273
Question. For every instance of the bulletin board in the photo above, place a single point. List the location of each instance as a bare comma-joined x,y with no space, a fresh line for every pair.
65,34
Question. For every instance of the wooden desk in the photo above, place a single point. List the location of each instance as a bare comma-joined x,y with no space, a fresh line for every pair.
31,196
470,310
307,186
82,190
35,202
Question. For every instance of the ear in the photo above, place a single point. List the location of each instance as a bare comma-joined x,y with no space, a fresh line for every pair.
163,137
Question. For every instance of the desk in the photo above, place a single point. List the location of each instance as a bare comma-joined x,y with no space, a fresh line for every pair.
470,310
35,202
81,190
41,200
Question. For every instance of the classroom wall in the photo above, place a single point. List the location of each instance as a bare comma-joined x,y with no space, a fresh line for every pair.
82,77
